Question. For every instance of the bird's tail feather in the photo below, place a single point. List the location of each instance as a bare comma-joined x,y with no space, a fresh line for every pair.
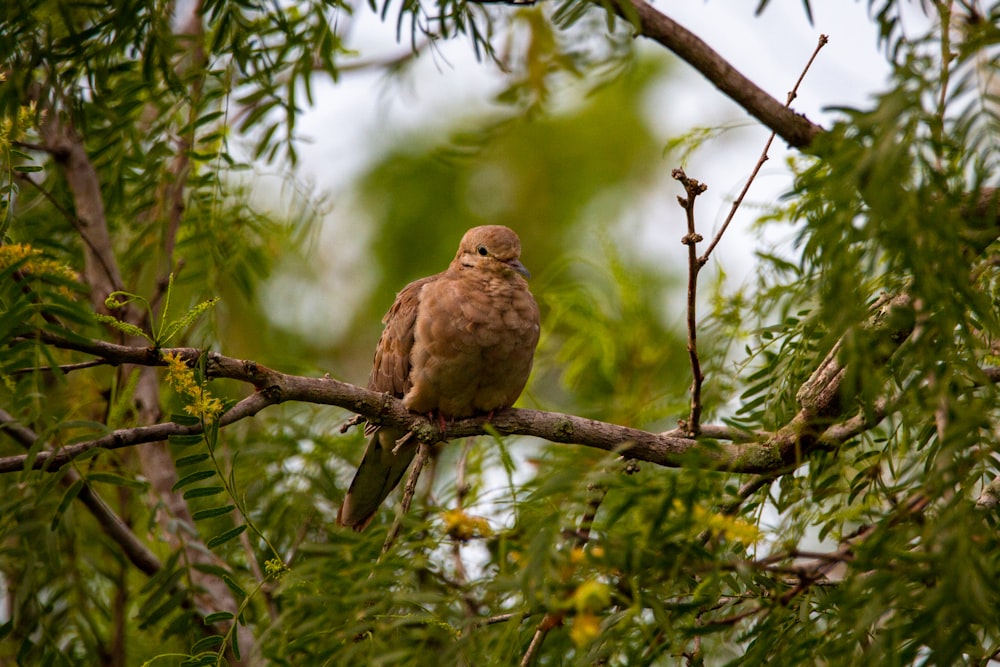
379,473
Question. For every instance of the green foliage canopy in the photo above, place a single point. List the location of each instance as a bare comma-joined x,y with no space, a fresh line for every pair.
864,400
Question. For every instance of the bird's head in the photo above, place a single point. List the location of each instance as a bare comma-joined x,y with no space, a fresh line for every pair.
492,248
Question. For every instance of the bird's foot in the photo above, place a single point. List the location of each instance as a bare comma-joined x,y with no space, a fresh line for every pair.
440,420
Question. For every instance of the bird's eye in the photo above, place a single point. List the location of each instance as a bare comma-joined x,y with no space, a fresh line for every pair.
482,250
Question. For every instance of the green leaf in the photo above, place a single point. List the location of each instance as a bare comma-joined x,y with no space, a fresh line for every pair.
235,642
213,512
69,496
168,584
226,536
117,480
183,419
125,327
191,478
157,578
193,459
203,492
212,569
234,587
217,616
172,603
207,643
184,322
186,440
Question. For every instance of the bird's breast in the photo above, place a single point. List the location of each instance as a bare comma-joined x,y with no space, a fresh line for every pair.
473,346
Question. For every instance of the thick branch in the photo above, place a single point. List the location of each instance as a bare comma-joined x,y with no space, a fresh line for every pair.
101,271
778,451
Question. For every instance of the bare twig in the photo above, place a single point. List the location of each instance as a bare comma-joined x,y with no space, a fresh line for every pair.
548,622
500,618
461,491
792,94
423,453
64,368
693,188
720,432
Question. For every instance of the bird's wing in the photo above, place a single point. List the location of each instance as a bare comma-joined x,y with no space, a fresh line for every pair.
391,368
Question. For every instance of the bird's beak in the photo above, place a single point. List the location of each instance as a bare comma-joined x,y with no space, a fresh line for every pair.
520,268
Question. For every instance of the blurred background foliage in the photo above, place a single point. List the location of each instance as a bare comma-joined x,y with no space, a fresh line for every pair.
630,565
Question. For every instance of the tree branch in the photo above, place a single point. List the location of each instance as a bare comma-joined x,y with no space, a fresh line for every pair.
692,188
112,524
794,128
101,271
815,426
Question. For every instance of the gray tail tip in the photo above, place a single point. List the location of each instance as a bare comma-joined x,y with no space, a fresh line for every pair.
357,524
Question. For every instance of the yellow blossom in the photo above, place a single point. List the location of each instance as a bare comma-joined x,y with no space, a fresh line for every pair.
34,262
276,568
586,628
729,527
181,379
462,526
591,596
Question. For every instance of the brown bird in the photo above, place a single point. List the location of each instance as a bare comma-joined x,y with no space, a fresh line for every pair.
456,344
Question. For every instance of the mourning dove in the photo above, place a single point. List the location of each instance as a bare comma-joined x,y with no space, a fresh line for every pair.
456,344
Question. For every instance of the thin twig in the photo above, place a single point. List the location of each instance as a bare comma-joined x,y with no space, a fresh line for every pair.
461,491
746,490
547,623
423,453
70,217
736,618
792,94
65,368
693,188
733,434
500,618
52,460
